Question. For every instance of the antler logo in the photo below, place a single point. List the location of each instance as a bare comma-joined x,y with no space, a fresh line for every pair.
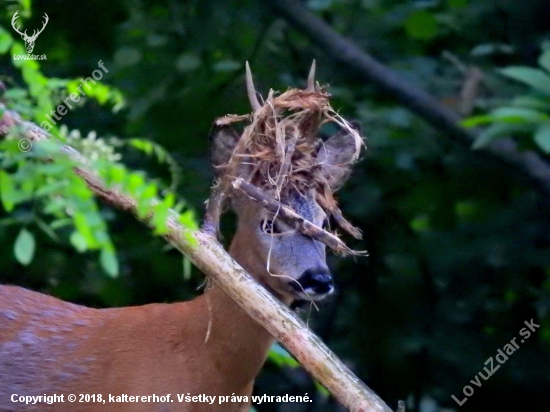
29,40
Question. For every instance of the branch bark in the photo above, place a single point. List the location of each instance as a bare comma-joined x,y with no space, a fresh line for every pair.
528,163
293,218
209,256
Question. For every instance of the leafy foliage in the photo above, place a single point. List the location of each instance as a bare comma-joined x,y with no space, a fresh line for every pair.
41,180
526,114
458,245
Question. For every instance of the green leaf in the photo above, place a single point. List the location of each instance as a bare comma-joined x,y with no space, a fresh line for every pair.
498,130
421,25
24,247
186,268
56,224
5,41
279,356
535,78
109,261
145,195
7,191
127,56
116,174
322,390
134,182
49,188
532,102
188,62
83,226
544,60
489,134
26,4
188,220
420,223
159,218
519,115
226,66
475,121
145,146
542,137
78,241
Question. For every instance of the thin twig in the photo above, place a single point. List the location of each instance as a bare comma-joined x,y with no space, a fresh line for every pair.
293,218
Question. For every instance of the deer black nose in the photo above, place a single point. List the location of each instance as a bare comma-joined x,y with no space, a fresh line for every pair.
315,282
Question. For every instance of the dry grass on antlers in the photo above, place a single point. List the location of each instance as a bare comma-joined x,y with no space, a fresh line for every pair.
277,151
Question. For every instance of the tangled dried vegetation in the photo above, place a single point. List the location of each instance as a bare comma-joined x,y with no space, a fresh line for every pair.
277,153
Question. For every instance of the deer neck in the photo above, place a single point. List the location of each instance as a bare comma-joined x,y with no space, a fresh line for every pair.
239,342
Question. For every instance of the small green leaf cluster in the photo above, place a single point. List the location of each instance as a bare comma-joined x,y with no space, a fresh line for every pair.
527,114
40,191
154,149
152,205
52,198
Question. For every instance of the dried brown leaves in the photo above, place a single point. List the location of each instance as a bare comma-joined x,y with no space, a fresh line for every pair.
277,151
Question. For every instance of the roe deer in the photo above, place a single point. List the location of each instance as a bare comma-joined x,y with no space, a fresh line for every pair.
207,346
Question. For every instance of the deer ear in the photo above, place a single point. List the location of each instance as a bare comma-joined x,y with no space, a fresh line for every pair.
336,155
223,140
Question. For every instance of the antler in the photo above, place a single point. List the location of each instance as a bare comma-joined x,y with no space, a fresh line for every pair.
250,90
37,32
13,21
311,78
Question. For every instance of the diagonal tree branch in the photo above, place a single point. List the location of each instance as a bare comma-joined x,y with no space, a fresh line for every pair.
528,163
293,219
209,256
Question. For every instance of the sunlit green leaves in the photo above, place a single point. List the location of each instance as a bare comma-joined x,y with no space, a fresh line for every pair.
45,179
24,247
100,91
7,191
151,205
6,40
78,241
109,261
160,153
526,114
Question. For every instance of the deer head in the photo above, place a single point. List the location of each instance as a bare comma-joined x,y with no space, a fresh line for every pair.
292,266
29,40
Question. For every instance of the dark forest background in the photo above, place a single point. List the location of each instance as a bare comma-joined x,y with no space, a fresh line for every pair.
458,239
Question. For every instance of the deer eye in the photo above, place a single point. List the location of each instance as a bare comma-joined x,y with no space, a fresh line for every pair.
269,227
